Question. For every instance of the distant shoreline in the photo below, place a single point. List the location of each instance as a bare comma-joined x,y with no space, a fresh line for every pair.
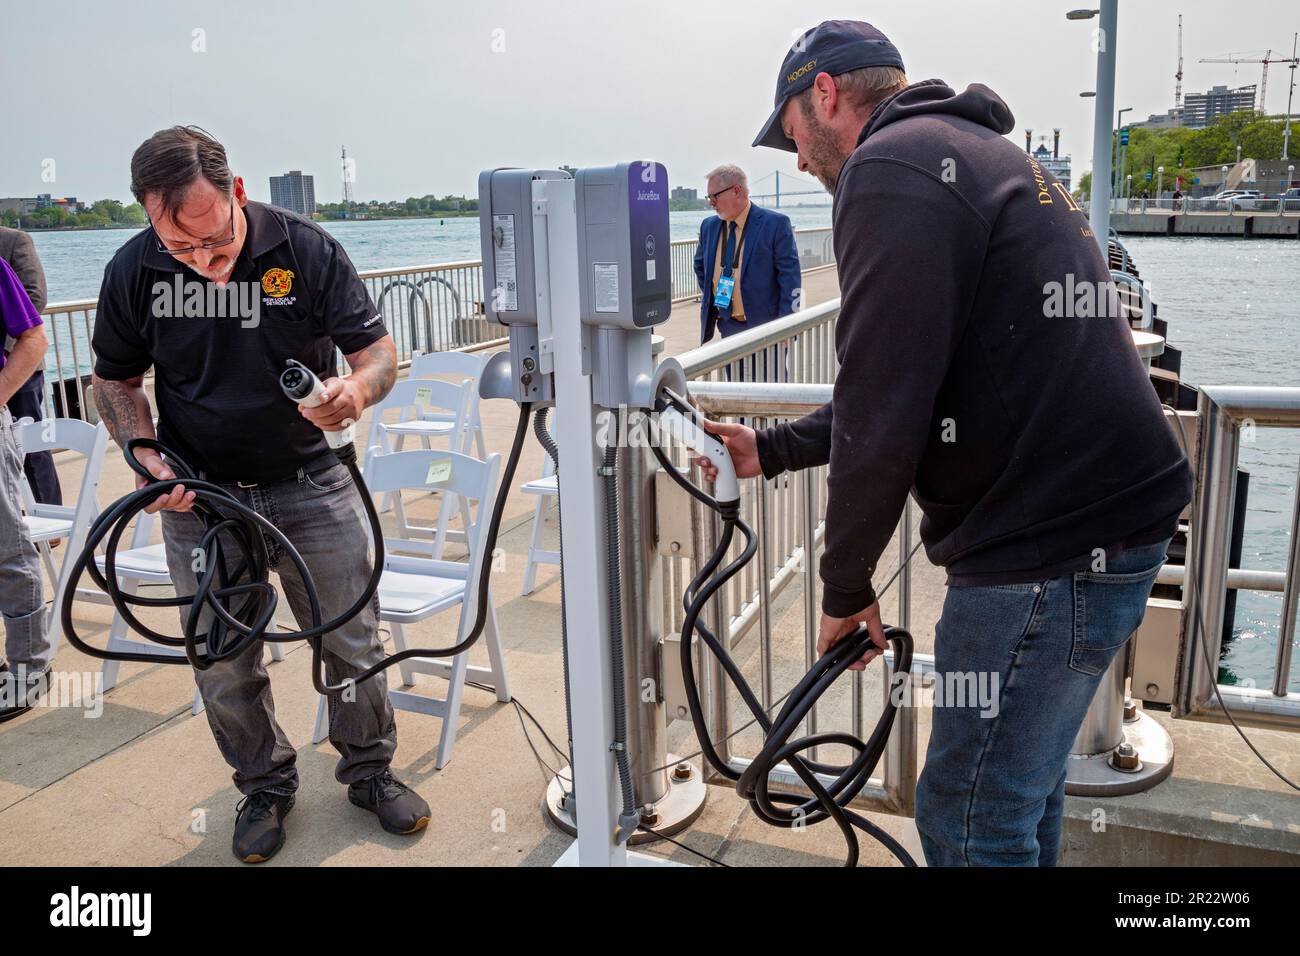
321,221
445,215
83,228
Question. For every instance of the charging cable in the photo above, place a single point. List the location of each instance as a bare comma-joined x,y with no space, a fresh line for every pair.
240,597
829,800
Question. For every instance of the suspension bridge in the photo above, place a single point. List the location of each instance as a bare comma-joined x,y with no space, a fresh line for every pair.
783,187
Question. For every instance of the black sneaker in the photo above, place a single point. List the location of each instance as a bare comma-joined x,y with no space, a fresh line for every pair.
259,825
16,700
399,808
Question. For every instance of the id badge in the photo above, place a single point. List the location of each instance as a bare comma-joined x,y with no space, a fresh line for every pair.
722,298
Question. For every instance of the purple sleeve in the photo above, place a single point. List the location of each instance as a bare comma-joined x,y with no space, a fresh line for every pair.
16,309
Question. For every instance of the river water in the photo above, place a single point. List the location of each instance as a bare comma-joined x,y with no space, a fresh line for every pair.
74,261
1233,306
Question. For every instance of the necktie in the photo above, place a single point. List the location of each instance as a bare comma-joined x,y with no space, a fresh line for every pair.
728,262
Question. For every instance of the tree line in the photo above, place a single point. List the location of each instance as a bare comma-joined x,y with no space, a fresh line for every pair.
1180,150
102,213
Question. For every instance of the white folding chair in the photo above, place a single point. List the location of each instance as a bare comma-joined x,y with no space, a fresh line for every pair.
409,399
46,523
546,489
414,588
140,565
466,367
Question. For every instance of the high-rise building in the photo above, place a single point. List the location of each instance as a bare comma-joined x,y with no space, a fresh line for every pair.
683,192
1201,109
295,192
1170,119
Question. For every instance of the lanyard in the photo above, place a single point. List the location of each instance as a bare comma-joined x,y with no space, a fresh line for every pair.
740,244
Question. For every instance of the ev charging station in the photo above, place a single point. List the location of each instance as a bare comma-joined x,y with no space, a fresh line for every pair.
579,270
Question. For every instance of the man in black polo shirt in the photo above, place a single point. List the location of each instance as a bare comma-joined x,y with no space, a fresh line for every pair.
215,297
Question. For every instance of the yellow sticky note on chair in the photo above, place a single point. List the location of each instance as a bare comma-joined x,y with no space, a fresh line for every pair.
439,471
423,396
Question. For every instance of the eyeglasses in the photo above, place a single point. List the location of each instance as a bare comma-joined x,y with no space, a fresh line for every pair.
713,197
187,250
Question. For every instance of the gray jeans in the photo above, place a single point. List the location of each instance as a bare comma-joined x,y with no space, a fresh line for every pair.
22,592
322,514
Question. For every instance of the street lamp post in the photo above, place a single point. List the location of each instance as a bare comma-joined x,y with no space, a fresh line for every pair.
1102,131
1160,182
1128,187
1121,145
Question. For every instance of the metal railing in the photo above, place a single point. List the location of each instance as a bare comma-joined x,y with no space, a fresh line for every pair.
685,285
1222,412
787,513
435,308
815,252
428,308
1187,205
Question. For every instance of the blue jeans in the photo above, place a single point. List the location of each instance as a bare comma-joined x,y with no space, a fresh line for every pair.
993,786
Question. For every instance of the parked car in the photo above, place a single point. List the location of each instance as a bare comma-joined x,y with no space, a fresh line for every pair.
1251,200
1232,199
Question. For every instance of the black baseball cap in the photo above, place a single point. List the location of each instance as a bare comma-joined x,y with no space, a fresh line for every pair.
834,47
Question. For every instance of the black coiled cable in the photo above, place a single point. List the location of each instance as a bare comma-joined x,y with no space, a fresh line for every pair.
828,801
241,598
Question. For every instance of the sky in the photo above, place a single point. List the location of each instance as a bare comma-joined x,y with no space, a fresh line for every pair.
425,94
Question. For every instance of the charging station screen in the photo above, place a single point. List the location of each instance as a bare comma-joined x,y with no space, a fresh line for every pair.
647,192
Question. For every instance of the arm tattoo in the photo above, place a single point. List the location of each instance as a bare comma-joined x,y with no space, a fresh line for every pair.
379,369
118,410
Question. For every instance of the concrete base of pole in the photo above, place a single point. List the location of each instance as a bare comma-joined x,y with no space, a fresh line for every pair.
677,810
1095,775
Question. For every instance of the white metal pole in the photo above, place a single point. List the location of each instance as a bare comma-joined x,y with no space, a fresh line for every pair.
582,532
1099,213
1123,163
1290,90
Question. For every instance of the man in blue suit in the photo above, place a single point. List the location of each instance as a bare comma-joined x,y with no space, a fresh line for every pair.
746,261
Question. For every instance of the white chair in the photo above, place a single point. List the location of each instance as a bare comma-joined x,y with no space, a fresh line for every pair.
410,399
139,565
415,588
546,489
466,367
46,523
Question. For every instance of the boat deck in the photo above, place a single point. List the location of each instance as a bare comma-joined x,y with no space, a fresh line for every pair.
142,783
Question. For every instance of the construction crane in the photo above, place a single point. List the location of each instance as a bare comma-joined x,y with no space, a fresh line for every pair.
1178,77
1263,81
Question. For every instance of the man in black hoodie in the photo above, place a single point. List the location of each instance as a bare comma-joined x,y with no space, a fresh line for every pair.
1016,412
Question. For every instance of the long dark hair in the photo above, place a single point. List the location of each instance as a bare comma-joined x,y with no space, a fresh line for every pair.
166,165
